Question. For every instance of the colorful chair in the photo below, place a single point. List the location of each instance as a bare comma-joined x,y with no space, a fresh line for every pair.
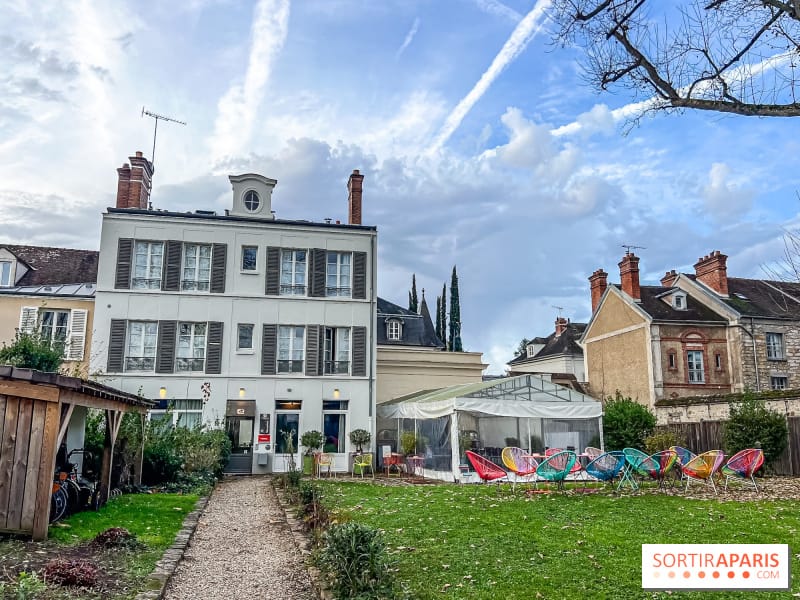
684,456
632,469
703,467
325,460
592,452
606,467
363,461
658,465
486,469
519,462
576,468
742,465
556,467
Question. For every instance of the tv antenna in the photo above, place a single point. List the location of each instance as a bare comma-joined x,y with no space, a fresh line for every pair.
629,247
156,117
558,308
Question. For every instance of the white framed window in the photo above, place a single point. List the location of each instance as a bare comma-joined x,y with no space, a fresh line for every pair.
679,301
779,382
148,262
530,350
140,349
53,326
334,425
337,274
183,412
694,360
244,337
249,258
5,273
196,272
394,329
293,272
337,351
291,348
252,201
775,346
190,355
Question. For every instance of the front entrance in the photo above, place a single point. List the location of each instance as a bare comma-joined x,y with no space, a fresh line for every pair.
240,432
287,424
239,423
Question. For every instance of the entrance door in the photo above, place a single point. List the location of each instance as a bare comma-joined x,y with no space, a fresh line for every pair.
240,431
286,422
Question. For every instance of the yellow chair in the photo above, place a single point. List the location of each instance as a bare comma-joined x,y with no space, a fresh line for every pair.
326,460
363,461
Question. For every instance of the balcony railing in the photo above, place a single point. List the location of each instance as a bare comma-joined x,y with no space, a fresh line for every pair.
140,363
290,366
338,291
189,364
293,290
337,367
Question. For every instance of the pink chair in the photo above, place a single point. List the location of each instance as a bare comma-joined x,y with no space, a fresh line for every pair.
743,465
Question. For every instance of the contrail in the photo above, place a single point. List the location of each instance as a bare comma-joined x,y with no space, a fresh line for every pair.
409,36
519,40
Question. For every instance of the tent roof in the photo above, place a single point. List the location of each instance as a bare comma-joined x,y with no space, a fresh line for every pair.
521,396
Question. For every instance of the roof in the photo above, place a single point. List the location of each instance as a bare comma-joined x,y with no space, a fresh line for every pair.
764,298
71,290
417,329
55,266
566,343
653,304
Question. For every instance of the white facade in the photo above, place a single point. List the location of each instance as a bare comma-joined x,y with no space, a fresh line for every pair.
559,363
243,381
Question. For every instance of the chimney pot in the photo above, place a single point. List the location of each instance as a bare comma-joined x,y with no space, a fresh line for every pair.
138,154
598,283
354,191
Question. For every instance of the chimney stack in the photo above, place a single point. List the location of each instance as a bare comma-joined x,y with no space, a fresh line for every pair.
712,270
629,276
598,283
561,325
133,186
354,188
669,278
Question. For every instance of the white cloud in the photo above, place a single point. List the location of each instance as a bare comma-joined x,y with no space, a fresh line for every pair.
726,199
409,38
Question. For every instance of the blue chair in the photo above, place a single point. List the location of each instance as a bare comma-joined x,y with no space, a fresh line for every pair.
607,467
555,468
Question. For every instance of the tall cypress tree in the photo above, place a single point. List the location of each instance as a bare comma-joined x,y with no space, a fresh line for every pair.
413,304
438,317
455,315
443,316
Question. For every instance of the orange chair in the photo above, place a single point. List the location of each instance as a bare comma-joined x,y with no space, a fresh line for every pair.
703,467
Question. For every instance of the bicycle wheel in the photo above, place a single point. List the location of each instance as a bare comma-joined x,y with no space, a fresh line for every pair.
58,504
73,496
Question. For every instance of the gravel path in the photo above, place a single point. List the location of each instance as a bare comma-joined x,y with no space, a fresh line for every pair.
242,548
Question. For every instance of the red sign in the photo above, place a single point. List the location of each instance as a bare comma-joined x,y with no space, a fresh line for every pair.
264,438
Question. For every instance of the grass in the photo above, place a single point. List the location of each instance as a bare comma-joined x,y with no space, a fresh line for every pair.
472,542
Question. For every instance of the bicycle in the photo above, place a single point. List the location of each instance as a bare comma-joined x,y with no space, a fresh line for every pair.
88,490
59,500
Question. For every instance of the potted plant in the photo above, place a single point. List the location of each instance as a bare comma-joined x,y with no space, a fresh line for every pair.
409,443
359,438
312,441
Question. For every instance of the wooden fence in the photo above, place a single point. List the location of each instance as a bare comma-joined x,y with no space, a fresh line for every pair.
707,435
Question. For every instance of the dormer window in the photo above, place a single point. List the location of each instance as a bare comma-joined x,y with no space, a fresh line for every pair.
679,301
5,273
531,350
394,330
251,201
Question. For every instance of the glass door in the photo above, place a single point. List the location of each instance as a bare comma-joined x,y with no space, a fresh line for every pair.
287,424
240,432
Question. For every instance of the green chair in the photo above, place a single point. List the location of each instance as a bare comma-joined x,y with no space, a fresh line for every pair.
555,468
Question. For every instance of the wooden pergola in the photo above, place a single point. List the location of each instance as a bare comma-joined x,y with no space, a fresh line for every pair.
35,409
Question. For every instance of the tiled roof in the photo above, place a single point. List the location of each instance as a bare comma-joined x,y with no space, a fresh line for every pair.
763,298
417,329
566,343
654,304
55,266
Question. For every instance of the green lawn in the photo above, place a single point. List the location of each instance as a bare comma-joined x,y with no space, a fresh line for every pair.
472,542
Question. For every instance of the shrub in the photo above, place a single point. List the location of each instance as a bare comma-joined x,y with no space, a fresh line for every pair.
32,351
293,477
116,537
27,587
311,441
626,423
411,443
71,572
357,562
662,440
752,425
360,438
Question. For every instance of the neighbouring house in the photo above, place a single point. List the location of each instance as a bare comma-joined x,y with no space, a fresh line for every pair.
693,335
262,325
558,355
412,358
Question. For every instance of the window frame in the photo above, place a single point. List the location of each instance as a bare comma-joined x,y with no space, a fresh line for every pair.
50,336
338,290
196,284
333,338
143,347
291,365
174,412
245,349
5,266
342,413
780,347
293,288
191,361
773,380
672,360
394,330
242,268
694,372
150,282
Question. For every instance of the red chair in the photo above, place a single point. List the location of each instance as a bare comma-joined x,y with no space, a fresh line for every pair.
576,468
486,469
743,465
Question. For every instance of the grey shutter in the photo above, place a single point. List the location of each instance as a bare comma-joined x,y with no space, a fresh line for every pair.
273,287
122,279
171,280
116,346
317,272
360,275
219,258
312,351
165,349
214,348
359,352
269,349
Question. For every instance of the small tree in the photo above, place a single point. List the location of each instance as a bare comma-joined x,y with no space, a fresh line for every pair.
32,351
523,346
443,316
626,423
360,438
751,425
312,441
413,301
455,314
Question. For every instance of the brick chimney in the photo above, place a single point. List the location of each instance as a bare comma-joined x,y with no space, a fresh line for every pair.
629,275
598,283
354,188
133,186
669,278
561,325
712,270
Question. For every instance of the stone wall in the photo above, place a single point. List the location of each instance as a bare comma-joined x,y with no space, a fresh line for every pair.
788,367
717,408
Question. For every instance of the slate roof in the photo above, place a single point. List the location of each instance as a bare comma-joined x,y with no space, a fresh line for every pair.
55,266
660,310
566,343
763,298
417,329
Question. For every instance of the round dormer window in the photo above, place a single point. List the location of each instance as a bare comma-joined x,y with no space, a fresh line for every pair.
251,201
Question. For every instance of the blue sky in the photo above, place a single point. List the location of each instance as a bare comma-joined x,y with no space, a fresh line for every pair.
480,143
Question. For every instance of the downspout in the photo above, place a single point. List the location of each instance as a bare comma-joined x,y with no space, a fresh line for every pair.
373,324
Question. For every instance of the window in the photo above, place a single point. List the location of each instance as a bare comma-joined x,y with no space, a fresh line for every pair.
337,279
779,383
245,337
249,258
394,329
337,350
291,348
672,361
147,264
694,359
286,424
5,273
775,346
334,420
293,272
251,201
679,301
140,352
718,361
53,326
530,349
181,413
196,267
190,354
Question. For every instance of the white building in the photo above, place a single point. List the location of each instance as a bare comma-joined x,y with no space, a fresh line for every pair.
240,320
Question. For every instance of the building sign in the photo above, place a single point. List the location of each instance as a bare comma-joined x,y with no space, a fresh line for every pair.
264,438
240,411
